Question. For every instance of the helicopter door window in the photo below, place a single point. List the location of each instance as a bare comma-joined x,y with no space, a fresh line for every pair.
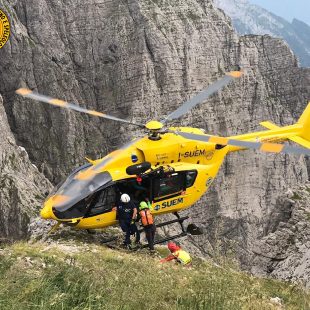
136,190
190,178
168,186
102,202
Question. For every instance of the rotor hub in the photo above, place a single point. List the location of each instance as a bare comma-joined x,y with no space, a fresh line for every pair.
154,125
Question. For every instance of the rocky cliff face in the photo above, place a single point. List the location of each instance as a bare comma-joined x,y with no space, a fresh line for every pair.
139,60
22,186
284,251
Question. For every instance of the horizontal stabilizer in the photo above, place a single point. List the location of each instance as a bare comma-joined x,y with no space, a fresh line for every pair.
269,125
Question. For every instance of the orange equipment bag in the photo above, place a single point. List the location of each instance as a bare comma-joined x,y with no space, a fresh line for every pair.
146,217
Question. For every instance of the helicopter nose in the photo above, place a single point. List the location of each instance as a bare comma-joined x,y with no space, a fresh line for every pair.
47,213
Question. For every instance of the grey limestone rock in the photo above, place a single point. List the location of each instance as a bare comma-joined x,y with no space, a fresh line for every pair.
22,186
284,252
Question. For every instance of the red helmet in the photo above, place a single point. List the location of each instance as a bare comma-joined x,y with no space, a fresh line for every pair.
173,247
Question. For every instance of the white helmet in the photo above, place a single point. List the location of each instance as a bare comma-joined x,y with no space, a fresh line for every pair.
125,198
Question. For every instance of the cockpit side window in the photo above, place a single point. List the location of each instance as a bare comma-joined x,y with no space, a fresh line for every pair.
102,202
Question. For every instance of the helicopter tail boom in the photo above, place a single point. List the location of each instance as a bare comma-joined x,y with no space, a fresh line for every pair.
265,141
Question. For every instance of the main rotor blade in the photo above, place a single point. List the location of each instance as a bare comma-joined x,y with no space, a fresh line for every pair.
27,93
202,96
262,146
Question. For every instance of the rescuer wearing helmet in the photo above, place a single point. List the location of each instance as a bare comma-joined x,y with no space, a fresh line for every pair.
127,214
178,254
147,222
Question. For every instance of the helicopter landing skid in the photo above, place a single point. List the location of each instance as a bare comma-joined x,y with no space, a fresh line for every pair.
179,220
183,234
54,228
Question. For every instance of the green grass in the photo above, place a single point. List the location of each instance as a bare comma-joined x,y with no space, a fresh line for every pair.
296,196
38,276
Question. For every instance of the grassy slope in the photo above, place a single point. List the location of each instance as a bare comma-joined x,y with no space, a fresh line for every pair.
42,276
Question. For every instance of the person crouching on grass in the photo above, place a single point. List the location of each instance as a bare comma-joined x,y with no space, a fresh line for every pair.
177,254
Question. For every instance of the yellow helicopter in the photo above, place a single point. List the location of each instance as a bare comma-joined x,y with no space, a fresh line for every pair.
172,167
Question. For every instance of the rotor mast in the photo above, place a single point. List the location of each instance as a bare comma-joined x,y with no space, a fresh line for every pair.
154,128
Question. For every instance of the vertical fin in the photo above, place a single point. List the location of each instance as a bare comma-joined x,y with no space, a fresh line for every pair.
304,120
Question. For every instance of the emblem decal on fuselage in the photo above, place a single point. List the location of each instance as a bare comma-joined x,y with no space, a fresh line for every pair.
134,158
162,156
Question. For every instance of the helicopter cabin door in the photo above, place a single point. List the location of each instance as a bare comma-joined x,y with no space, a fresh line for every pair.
137,190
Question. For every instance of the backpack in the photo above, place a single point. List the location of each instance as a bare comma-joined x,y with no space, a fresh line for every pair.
146,217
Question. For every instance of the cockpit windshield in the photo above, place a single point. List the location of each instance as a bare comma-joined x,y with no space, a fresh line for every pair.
69,178
75,190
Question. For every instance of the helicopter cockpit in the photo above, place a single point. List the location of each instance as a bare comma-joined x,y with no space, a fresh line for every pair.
106,199
77,195
155,187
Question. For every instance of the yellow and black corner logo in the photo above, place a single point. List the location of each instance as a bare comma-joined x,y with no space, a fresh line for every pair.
4,28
